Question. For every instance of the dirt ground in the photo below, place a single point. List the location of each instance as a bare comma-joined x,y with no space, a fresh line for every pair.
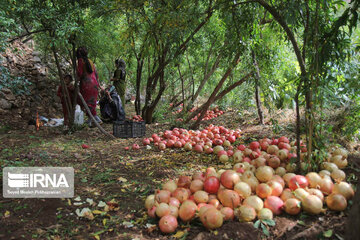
107,172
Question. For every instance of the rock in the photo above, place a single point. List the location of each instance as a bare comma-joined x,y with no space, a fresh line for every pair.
36,59
3,112
6,90
10,96
35,53
4,104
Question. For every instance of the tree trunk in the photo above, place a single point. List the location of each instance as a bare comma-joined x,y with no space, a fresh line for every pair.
149,111
93,119
212,97
257,88
231,87
298,165
353,221
205,79
65,92
299,58
140,63
76,85
150,106
182,88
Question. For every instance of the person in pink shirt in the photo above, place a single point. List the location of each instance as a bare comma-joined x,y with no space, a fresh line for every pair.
89,81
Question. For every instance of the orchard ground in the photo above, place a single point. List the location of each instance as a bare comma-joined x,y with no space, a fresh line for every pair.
106,171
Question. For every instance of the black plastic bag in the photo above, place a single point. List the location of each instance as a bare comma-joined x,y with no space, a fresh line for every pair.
112,109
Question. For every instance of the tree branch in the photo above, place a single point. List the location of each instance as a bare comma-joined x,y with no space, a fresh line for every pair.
288,32
28,34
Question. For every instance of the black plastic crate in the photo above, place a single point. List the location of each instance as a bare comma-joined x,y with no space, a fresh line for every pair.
129,129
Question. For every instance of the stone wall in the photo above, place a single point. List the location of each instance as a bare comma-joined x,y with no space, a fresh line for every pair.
17,110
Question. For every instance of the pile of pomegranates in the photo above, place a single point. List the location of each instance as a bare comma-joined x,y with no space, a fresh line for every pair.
260,185
198,141
137,118
210,114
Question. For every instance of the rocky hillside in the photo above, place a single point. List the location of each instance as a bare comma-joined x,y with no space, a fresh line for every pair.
17,109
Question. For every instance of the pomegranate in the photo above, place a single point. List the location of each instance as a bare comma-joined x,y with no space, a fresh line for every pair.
218,149
210,172
249,178
260,161
276,188
283,139
188,146
341,151
265,213
212,184
314,179
199,175
187,210
198,148
280,171
174,202
272,149
273,162
196,185
181,194
254,145
170,186
263,190
209,150
326,185
287,177
278,179
212,218
146,141
312,204
215,203
336,202
246,213
228,213
162,146
241,147
224,158
203,209
135,146
201,197
174,211
255,202
298,181
316,192
150,201
292,206
301,194
162,210
286,194
275,204
229,198
184,181
344,189
229,178
168,224
338,175
152,212
264,173
162,196
243,189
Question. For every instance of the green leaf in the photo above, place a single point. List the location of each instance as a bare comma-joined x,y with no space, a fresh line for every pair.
269,222
265,230
256,224
328,233
300,222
